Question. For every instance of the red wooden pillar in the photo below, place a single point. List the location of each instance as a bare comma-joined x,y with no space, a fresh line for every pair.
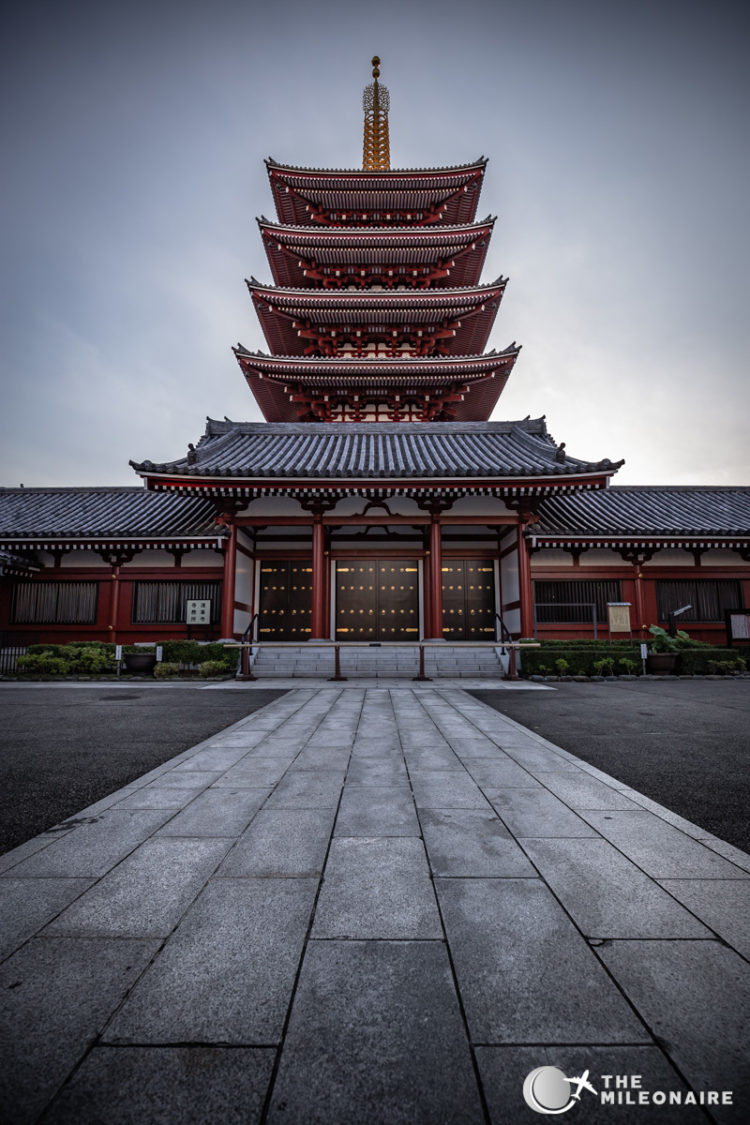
318,629
639,624
114,604
230,571
525,589
436,579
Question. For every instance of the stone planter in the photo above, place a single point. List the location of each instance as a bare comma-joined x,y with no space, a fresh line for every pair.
662,663
140,663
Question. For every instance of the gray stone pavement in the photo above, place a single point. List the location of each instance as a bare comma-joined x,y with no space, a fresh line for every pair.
375,905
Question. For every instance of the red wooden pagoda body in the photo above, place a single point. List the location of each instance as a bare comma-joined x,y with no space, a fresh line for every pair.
377,312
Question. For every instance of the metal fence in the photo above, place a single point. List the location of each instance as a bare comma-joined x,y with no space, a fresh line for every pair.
8,656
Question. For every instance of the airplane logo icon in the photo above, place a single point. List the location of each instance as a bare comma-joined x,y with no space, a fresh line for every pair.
549,1091
581,1083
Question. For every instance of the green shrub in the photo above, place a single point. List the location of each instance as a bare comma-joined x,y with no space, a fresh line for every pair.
191,652
43,663
628,667
605,666
696,661
562,666
214,668
48,650
580,659
166,668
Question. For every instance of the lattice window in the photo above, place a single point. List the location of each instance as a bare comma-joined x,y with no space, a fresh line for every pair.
164,602
709,598
55,603
570,602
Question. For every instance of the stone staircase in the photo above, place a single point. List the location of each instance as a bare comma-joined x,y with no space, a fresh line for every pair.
441,660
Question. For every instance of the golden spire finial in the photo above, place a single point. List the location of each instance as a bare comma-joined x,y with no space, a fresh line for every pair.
376,103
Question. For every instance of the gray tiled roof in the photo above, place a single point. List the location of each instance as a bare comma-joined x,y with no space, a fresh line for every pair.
375,450
38,513
647,510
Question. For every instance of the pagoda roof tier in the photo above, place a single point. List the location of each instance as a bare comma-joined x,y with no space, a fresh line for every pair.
652,515
329,322
346,256
327,196
255,458
292,389
42,518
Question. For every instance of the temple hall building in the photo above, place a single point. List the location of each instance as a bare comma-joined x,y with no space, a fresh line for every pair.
377,502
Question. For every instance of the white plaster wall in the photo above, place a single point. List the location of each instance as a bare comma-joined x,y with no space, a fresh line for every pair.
480,505
243,581
83,558
601,557
241,620
670,557
274,506
149,558
510,589
551,556
202,557
723,558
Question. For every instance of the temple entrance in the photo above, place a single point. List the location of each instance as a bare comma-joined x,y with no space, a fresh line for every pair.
468,600
285,600
377,600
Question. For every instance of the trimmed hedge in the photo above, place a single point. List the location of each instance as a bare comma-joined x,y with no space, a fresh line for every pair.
581,659
711,661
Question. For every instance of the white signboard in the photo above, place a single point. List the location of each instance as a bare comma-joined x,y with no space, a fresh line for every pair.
740,626
198,612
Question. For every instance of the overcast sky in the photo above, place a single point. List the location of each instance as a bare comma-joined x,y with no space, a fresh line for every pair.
133,138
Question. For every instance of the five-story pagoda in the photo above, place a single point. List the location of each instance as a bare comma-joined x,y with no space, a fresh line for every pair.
377,502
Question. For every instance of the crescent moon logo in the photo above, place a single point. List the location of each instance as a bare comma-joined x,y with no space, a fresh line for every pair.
547,1090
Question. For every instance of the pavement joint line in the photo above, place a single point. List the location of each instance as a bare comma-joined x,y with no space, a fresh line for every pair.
112,1015
454,976
646,803
307,938
713,937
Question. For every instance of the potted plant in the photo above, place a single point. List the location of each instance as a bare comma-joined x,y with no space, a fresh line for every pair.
664,651
140,662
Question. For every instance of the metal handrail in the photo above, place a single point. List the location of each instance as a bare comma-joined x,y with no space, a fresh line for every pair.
505,634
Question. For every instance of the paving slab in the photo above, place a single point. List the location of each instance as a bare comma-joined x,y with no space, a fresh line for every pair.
377,888
524,972
722,904
471,842
253,773
156,797
217,812
581,791
26,905
288,843
537,812
225,975
166,1086
607,895
146,894
663,851
377,811
500,772
439,789
376,1036
92,849
56,994
695,996
308,789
